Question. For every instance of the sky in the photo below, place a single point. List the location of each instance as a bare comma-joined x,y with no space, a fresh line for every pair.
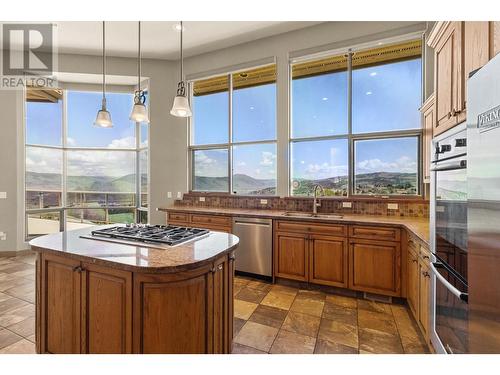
44,127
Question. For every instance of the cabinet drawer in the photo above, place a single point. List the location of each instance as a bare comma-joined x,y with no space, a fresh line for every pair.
424,254
315,228
177,216
211,220
375,233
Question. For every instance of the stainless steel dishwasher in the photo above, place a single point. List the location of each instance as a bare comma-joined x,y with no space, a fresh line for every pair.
255,251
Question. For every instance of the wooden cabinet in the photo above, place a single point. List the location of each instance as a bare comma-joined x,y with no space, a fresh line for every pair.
60,305
413,278
459,48
424,297
375,232
446,39
419,283
375,266
106,310
89,308
219,223
428,124
291,256
328,260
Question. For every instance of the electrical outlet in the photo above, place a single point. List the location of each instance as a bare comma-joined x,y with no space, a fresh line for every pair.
3,195
3,236
392,206
202,199
263,201
169,194
179,195
347,204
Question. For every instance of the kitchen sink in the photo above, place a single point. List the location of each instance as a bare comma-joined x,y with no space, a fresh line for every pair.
310,214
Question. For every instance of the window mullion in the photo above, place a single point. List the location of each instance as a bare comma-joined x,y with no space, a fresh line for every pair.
62,218
350,144
230,135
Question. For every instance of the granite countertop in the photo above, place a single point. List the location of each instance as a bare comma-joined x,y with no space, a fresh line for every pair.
418,226
150,258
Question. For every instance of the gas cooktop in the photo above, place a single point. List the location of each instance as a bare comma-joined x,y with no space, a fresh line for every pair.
161,234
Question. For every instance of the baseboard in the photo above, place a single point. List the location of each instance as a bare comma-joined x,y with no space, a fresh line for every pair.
15,253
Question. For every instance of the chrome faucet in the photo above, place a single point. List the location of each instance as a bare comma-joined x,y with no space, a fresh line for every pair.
316,202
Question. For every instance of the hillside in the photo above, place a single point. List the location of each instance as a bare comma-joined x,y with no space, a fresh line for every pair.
52,181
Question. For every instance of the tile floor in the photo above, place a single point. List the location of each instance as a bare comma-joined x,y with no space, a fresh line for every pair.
268,318
280,319
17,304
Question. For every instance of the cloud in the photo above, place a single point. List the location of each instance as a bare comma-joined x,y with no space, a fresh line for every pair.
325,170
404,165
126,142
209,166
43,160
101,163
268,158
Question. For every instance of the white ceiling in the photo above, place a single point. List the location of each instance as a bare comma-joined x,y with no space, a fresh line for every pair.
160,39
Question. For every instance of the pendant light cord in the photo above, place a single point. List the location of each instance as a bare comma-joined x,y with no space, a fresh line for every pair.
139,59
182,56
104,62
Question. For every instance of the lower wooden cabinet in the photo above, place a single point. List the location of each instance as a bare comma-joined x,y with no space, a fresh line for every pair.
291,256
413,281
60,305
106,310
424,297
218,223
375,266
328,260
88,308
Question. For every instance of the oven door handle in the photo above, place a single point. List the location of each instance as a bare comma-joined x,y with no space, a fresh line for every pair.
463,296
462,164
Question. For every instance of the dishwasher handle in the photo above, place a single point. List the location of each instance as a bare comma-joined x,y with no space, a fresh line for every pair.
252,221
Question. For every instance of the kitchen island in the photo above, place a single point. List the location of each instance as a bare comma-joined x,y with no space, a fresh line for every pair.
97,296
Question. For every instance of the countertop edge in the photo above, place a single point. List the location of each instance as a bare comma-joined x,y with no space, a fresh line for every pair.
264,214
128,267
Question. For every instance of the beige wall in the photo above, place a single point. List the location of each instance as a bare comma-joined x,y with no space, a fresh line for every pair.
168,135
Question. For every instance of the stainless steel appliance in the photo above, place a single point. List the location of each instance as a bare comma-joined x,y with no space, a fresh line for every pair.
149,234
483,179
449,242
255,252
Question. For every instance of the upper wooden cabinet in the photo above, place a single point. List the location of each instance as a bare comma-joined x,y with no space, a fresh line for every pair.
460,48
429,119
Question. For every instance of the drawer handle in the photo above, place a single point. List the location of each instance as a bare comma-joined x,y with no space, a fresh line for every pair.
78,269
426,257
219,267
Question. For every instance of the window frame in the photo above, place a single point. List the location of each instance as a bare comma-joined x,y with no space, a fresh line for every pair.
64,148
230,144
353,137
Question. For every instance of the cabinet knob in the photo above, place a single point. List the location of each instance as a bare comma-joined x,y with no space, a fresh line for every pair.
78,269
426,274
426,257
414,260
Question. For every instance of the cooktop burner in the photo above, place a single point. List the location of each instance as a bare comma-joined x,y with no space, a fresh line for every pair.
164,234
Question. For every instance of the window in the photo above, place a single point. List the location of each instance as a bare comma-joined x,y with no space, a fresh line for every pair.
93,175
234,124
376,129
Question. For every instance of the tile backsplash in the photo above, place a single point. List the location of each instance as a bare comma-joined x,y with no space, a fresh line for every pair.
408,208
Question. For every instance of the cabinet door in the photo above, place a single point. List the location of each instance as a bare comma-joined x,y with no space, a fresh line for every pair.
413,282
173,314
375,266
448,67
60,305
328,260
291,258
107,310
424,300
476,49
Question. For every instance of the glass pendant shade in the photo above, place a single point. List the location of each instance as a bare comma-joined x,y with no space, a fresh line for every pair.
103,119
181,107
139,113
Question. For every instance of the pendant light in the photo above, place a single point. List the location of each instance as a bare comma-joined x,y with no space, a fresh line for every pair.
139,112
103,119
181,106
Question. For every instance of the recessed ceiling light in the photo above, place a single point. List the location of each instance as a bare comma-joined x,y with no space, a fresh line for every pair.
368,93
252,108
373,74
324,99
380,43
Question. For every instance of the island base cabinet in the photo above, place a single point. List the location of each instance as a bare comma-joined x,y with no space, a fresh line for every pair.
88,308
184,313
375,267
